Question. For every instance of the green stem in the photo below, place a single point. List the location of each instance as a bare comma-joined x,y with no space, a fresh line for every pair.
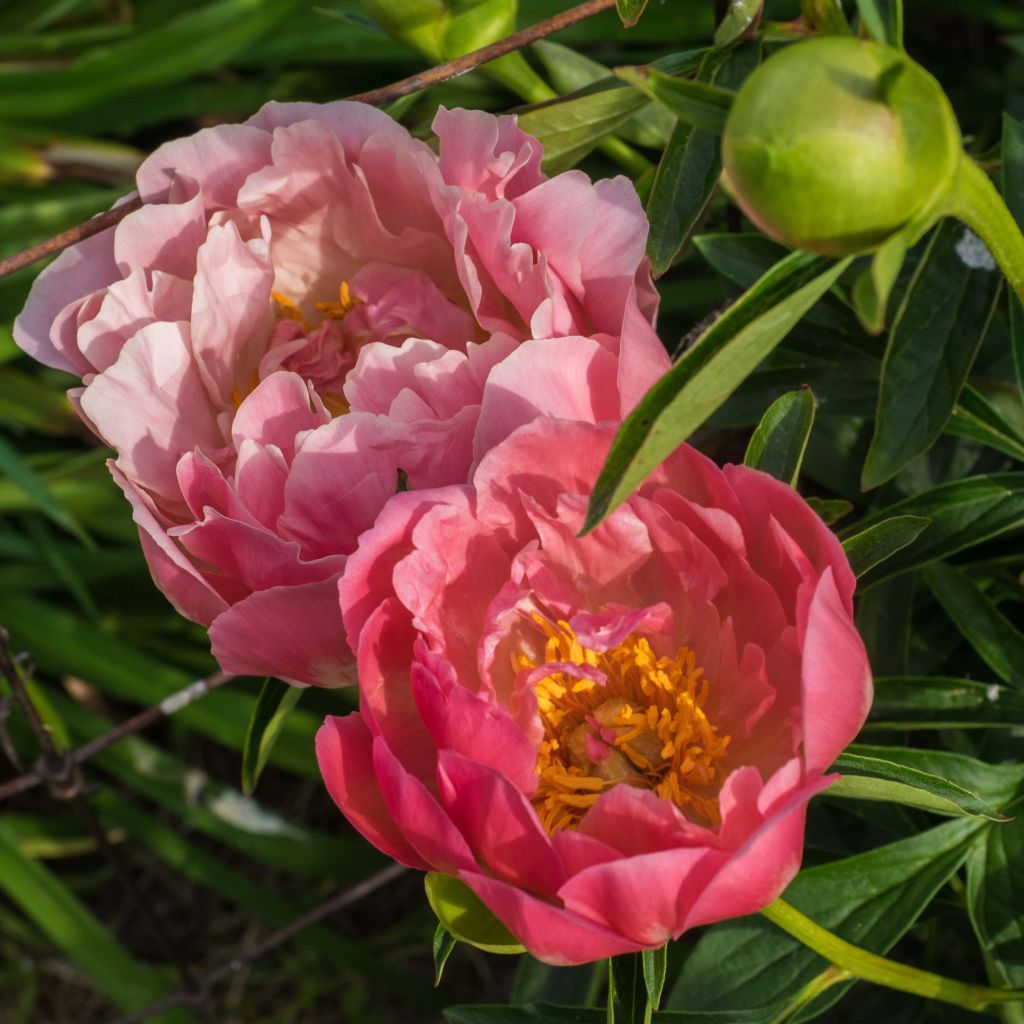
627,991
877,969
975,201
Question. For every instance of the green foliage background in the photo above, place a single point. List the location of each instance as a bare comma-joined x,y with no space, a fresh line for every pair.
86,89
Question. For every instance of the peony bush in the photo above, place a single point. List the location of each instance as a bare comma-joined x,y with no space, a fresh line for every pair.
302,317
611,738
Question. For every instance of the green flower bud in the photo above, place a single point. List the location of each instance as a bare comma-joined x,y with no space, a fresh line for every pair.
835,144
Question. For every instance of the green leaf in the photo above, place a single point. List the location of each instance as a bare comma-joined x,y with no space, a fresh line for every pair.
874,544
444,945
780,440
697,103
998,642
872,899
883,20
996,784
683,185
21,474
939,328
570,128
977,419
546,1013
627,990
655,964
275,701
830,510
194,41
73,929
995,901
704,377
873,778
940,702
630,11
741,16
826,16
1013,193
963,513
465,917
872,289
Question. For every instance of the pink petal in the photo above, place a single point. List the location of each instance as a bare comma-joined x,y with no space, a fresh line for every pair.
344,751
836,677
570,378
418,815
293,633
550,933
499,824
77,272
276,411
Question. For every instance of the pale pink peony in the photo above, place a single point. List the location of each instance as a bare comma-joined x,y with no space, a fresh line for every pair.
609,739
306,304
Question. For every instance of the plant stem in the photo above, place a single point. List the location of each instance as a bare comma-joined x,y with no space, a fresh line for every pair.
975,201
859,963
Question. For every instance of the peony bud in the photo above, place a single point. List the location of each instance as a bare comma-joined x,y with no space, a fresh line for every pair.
835,144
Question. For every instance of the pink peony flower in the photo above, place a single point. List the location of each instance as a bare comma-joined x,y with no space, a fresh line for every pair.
306,304
609,739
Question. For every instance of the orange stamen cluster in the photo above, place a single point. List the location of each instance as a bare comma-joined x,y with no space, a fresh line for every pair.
643,726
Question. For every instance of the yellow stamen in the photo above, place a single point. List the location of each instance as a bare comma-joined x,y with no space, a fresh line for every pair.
644,726
286,308
238,395
340,309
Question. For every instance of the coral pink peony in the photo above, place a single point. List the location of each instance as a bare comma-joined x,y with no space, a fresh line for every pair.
306,304
612,738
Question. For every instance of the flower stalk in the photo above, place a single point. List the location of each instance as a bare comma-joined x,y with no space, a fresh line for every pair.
859,963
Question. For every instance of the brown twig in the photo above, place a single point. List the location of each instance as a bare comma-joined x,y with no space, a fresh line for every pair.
376,97
276,938
40,774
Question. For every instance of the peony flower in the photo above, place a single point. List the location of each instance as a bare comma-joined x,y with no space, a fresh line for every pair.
305,312
609,739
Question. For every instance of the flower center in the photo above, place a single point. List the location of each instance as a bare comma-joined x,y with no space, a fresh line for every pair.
639,720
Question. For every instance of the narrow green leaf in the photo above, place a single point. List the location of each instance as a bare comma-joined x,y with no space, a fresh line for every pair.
571,127
995,901
872,289
1013,192
884,20
546,1013
872,898
704,377
963,513
630,11
939,702
873,778
939,328
683,185
996,784
876,543
977,419
830,510
701,104
73,929
741,16
627,990
780,440
825,16
444,945
275,701
997,641
21,474
194,41
465,917
655,963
